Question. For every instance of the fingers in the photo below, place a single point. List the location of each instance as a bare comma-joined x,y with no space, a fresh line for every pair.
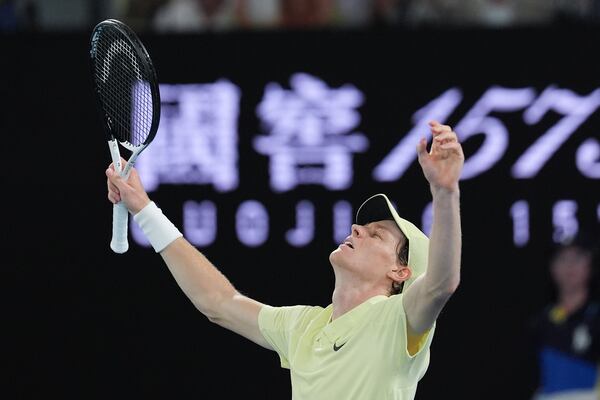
445,136
438,129
112,176
422,147
452,146
113,192
133,175
114,183
442,134
114,198
445,140
112,187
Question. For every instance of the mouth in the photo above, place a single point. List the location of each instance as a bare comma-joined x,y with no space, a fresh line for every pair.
349,244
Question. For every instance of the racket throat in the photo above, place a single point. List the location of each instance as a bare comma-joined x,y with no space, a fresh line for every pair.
113,146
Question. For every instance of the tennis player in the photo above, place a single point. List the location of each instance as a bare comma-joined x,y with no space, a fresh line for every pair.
391,283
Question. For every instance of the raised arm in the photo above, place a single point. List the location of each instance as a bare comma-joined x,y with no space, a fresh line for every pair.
442,165
207,288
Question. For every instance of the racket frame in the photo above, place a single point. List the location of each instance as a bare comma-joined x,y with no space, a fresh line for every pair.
119,243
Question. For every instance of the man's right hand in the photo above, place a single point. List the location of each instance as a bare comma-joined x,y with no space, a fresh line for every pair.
130,192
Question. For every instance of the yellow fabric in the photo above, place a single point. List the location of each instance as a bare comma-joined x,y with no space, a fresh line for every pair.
558,315
415,342
371,361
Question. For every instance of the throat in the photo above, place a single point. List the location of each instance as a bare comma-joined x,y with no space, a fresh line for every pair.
573,300
346,298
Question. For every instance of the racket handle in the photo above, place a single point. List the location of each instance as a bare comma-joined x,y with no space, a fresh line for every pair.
119,242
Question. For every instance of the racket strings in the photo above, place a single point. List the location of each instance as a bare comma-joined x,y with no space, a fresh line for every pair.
124,89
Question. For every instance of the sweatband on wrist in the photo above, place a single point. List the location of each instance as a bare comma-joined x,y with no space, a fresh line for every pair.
159,231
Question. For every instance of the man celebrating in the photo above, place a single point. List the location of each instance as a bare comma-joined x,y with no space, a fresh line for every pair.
391,283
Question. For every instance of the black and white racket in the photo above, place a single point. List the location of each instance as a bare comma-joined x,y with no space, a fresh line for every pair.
128,97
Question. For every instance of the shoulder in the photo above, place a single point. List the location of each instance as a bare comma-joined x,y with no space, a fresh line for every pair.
287,317
593,309
393,304
592,314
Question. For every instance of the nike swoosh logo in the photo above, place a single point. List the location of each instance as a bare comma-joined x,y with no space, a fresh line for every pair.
336,348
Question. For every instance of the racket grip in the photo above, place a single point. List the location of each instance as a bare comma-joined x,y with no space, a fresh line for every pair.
119,242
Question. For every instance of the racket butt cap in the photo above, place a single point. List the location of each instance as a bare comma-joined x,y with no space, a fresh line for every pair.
119,247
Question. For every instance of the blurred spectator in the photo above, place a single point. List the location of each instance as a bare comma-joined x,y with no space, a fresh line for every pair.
595,11
306,13
139,13
535,12
485,13
567,332
497,13
8,16
18,15
576,10
390,12
28,16
258,14
103,9
365,13
440,12
352,13
507,13
186,16
218,15
58,15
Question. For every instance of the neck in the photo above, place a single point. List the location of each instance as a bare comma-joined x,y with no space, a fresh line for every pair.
347,296
572,300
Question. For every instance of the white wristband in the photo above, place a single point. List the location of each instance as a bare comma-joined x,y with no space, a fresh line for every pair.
156,226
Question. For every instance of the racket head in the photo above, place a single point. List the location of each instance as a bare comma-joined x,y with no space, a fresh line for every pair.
125,84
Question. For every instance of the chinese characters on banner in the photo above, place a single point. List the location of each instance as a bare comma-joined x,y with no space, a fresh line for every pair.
196,142
310,133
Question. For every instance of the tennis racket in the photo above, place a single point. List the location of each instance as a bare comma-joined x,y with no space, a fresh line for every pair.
128,100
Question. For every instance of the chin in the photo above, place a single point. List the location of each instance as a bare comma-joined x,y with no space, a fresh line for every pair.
334,255
339,260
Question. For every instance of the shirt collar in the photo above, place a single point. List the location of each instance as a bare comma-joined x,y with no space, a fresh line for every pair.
342,326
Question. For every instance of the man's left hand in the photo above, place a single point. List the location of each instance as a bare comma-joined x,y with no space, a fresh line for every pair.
442,165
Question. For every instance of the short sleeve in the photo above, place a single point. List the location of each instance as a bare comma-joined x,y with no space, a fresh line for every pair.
279,326
393,313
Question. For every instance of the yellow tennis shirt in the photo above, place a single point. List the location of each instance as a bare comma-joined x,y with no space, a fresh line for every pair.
361,355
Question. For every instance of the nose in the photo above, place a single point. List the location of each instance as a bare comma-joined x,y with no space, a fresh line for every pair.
357,230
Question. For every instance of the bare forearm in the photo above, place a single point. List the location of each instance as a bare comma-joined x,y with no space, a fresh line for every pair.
443,272
442,167
201,282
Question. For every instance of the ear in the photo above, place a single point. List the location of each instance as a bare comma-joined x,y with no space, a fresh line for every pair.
400,273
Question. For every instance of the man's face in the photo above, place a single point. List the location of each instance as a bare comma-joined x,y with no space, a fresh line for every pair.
371,250
571,269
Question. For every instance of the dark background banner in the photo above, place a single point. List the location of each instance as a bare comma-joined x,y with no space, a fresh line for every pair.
84,322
